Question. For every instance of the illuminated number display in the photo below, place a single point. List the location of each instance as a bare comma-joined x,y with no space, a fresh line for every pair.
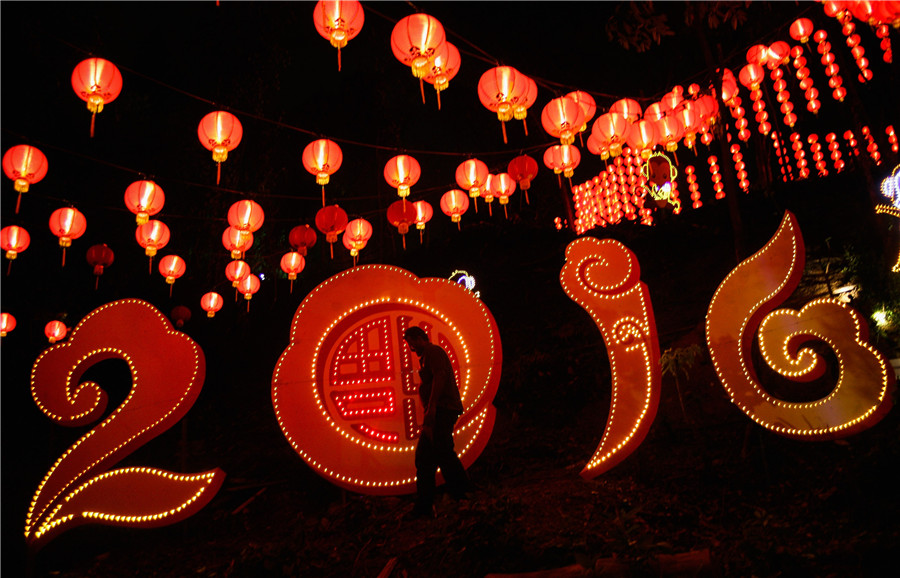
603,277
167,371
745,302
345,391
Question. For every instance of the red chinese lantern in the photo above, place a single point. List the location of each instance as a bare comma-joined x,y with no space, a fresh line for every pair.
689,119
246,215
443,69
356,235
500,89
55,331
97,82
237,271
152,236
237,242
180,315
758,54
402,172
211,303
99,257
13,239
220,132
670,132
423,214
502,187
801,29
248,287
562,118
7,323
628,108
415,41
338,21
611,130
292,263
322,158
654,112
171,267
562,159
522,169
67,223
401,214
301,238
471,175
144,198
331,221
25,165
454,204
643,136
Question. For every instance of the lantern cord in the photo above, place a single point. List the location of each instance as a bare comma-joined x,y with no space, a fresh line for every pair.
18,203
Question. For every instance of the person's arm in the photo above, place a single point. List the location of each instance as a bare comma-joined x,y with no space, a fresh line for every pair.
441,377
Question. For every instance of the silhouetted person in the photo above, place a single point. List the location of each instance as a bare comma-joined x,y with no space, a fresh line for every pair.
443,406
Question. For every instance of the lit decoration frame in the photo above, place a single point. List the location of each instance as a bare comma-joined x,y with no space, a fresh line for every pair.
167,370
468,281
745,301
603,277
345,390
660,173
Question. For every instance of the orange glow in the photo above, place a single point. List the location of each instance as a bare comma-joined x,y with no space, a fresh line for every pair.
25,165
345,390
416,40
603,277
152,236
167,370
171,267
454,204
402,172
562,118
97,82
237,271
743,308
211,303
246,215
55,331
237,242
220,132
14,239
338,21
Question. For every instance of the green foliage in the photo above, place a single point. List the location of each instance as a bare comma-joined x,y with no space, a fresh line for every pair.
680,360
637,25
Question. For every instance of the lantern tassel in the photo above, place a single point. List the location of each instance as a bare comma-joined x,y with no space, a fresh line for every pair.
331,246
505,214
581,139
323,195
339,59
18,203
458,226
248,306
150,267
235,295
96,282
64,257
503,125
9,268
421,236
292,281
439,98
527,202
93,118
475,204
525,125
422,89
170,289
218,173
490,209
404,241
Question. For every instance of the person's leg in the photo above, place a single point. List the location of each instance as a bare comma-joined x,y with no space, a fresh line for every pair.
451,468
426,468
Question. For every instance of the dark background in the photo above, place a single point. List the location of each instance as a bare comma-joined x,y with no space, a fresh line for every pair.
265,63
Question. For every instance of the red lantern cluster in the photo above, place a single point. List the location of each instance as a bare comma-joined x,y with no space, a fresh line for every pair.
783,161
693,187
505,91
800,155
892,138
740,168
835,147
832,70
356,236
716,177
872,146
818,156
444,67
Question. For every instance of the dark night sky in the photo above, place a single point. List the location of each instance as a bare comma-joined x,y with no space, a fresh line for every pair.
265,62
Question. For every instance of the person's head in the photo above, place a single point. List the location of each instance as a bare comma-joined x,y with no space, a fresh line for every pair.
416,338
